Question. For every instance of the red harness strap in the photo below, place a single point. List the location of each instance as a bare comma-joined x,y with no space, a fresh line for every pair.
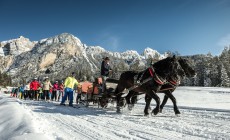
150,71
156,78
173,82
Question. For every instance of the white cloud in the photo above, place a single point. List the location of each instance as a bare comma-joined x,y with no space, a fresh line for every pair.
109,41
113,43
225,41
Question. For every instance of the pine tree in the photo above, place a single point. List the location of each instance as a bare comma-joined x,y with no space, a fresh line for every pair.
225,59
224,76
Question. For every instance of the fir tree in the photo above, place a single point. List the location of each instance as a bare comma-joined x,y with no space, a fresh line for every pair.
224,77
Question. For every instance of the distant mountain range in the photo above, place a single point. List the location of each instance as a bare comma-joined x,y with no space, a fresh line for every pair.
58,56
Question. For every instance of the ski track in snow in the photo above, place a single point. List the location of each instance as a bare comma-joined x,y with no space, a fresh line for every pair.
65,123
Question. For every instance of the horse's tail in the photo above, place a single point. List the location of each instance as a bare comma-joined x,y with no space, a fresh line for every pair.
112,80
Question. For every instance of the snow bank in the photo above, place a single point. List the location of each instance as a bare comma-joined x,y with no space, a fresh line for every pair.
16,123
205,114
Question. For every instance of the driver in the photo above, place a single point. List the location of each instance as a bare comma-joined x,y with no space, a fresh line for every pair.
105,70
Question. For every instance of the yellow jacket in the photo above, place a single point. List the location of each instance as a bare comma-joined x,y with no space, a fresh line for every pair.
70,82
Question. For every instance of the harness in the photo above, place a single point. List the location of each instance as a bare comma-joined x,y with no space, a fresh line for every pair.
154,76
173,82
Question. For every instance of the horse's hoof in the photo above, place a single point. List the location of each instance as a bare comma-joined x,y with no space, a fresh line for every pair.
155,111
178,115
160,111
118,110
130,107
146,114
177,112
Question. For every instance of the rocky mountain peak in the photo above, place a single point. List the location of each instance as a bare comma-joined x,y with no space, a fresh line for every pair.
60,55
16,46
150,53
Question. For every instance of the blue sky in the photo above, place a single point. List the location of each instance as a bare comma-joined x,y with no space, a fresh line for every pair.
187,26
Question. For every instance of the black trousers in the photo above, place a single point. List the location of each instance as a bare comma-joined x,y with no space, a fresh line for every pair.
34,94
54,95
46,94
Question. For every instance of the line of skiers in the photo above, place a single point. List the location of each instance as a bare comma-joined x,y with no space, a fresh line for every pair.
37,91
46,91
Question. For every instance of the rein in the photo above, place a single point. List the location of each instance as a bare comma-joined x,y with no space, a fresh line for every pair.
153,76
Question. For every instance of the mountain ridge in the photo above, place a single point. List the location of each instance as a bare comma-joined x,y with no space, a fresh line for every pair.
24,59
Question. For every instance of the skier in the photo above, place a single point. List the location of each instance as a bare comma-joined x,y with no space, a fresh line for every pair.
27,91
69,84
21,90
61,91
54,93
34,85
46,88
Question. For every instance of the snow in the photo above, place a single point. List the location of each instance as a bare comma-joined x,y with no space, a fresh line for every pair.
205,114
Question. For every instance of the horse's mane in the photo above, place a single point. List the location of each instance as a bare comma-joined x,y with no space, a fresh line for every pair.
161,63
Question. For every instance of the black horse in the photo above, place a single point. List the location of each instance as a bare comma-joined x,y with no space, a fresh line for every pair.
167,88
150,79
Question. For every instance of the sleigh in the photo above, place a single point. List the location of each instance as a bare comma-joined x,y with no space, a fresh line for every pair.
91,93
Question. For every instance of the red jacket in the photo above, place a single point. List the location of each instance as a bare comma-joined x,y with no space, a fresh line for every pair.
55,87
61,87
34,85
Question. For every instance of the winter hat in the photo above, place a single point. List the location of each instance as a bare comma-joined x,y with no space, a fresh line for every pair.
107,58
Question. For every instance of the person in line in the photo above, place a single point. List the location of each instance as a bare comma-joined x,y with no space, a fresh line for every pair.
40,93
15,92
21,90
34,85
69,84
105,71
12,92
46,88
50,93
27,91
61,91
55,89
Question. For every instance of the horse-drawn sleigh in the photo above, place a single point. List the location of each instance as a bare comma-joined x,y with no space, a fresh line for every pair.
163,76
92,93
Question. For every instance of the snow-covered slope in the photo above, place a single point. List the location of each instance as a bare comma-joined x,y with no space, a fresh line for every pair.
205,114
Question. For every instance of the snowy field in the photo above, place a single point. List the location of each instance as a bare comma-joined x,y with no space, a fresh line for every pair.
205,114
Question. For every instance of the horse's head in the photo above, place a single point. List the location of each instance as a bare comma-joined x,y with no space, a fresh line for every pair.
169,67
186,66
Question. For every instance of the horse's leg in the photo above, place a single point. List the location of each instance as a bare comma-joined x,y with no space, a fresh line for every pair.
130,95
127,98
134,99
163,102
147,104
118,94
153,95
170,95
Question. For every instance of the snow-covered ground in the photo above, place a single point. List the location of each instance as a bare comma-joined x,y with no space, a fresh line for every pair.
205,114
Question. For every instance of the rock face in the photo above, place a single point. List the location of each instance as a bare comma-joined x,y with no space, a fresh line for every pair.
60,55
11,48
16,46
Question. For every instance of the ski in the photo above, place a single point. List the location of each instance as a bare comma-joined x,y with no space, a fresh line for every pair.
68,106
